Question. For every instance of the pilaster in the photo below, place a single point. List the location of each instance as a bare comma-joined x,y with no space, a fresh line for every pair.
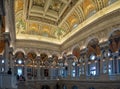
69,66
104,46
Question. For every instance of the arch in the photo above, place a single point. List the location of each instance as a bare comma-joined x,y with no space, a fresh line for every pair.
64,54
68,51
45,51
76,51
89,39
93,47
114,40
18,50
76,45
56,53
43,57
109,34
33,50
31,55
19,54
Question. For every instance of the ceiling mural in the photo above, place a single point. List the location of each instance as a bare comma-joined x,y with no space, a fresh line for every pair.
56,5
50,18
88,6
20,24
18,5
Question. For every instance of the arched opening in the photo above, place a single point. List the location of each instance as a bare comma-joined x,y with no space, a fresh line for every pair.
31,64
114,47
93,53
76,52
19,64
44,65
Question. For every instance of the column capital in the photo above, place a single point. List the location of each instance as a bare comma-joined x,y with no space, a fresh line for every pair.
7,36
11,50
104,45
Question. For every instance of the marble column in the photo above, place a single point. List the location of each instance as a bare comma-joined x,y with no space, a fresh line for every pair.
12,65
69,69
50,72
103,59
11,61
85,65
10,57
25,70
6,52
38,71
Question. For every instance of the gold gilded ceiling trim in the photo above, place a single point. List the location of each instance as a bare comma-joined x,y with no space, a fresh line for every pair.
99,14
91,19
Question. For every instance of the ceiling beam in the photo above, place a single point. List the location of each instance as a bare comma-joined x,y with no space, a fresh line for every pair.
78,2
30,6
47,4
25,9
64,9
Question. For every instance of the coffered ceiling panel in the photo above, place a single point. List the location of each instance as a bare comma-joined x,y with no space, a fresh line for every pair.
52,20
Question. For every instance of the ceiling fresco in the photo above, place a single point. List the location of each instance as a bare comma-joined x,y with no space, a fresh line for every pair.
50,18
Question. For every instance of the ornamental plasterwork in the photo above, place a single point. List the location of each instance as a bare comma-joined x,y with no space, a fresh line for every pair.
54,19
101,36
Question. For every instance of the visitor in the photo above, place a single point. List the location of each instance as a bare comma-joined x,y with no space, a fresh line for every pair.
9,71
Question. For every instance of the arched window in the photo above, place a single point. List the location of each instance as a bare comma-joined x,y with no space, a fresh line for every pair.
93,69
92,57
20,61
74,69
92,66
110,64
19,71
63,68
114,45
81,66
93,52
107,55
19,64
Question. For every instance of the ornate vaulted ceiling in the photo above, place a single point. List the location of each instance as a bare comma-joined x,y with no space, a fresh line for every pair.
53,20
